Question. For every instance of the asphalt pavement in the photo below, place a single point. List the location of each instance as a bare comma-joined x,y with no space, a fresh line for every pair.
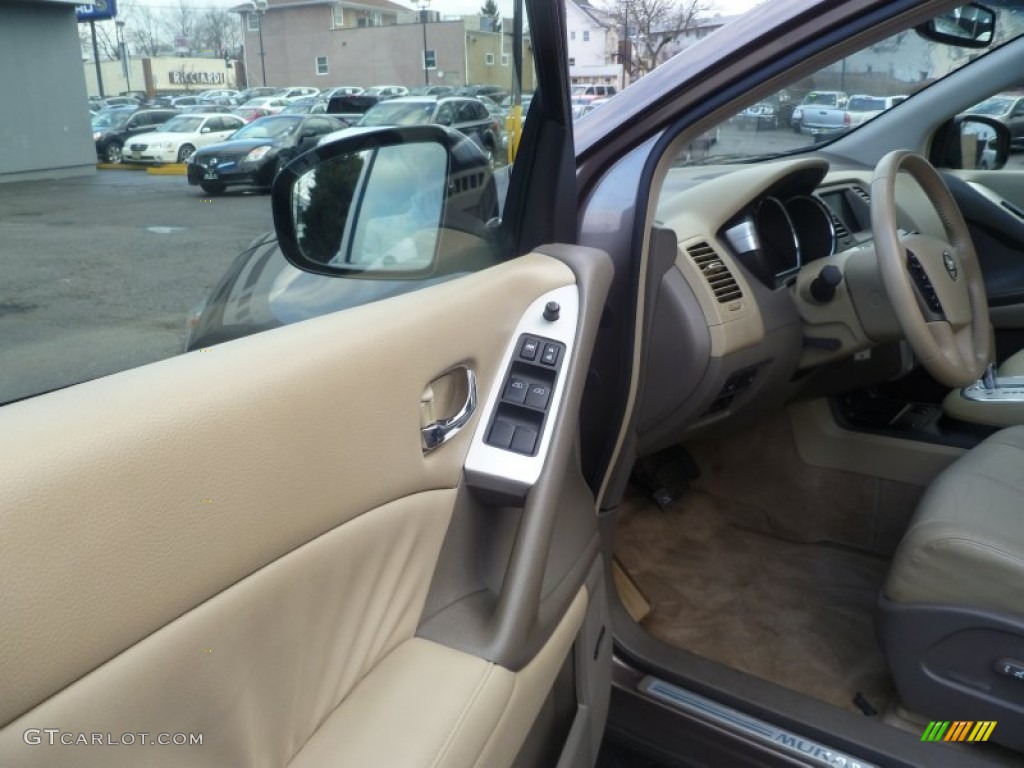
97,274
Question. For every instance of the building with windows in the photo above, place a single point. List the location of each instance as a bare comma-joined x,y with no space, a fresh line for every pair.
327,43
46,122
593,45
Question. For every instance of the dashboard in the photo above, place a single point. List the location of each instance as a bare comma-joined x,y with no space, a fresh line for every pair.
746,242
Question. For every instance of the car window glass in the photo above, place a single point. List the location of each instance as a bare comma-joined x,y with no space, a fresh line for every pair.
168,256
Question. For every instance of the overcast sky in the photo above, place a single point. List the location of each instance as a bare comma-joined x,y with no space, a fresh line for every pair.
453,7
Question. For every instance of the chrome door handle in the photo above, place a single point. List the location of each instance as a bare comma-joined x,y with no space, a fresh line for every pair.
443,430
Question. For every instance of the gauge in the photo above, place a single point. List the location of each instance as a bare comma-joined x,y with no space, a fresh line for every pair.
813,226
779,243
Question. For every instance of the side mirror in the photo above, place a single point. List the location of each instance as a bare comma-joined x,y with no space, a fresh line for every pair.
406,202
972,142
967,26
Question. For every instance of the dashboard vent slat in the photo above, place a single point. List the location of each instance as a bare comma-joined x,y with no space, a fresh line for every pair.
861,193
715,271
842,233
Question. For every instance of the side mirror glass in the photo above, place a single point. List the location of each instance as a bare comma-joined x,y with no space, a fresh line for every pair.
972,142
967,26
393,203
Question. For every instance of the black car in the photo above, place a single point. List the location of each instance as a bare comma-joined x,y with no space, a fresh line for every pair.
254,154
112,129
467,115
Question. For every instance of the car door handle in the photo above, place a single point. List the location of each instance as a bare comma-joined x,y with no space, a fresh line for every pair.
441,431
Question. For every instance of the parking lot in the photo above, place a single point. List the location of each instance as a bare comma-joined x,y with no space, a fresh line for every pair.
98,273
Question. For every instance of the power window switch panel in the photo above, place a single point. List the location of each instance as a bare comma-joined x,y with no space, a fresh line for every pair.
501,434
524,441
515,390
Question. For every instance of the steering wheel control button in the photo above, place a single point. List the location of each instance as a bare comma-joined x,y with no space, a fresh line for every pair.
923,283
551,311
524,440
550,355
529,348
501,434
538,396
515,390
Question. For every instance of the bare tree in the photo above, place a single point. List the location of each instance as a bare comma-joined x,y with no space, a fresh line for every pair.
144,32
649,26
181,22
106,40
218,33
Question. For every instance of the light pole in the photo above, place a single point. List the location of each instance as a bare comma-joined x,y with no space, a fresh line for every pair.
122,53
261,9
424,5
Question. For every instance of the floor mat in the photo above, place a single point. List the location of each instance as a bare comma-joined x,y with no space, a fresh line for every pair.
798,614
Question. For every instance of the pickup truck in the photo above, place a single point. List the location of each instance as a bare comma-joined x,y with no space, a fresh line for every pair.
816,100
825,121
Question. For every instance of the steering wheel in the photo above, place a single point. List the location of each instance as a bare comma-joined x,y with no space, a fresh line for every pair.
934,285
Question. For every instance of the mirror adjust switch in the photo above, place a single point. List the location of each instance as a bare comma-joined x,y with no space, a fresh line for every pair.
515,390
524,440
550,354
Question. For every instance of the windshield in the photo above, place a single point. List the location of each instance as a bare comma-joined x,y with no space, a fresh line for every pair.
112,119
815,110
399,113
268,128
992,107
182,125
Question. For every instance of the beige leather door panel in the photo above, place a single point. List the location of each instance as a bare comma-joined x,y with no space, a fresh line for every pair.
230,542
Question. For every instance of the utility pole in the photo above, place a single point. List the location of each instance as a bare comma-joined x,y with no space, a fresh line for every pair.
96,58
424,6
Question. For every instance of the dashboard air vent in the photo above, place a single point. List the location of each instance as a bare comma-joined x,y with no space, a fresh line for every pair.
842,233
722,283
861,193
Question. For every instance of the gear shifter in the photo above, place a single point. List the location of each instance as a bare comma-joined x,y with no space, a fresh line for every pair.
989,378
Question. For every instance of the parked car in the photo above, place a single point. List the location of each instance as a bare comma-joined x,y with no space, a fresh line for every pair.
225,95
254,154
184,102
584,93
820,99
386,91
350,109
257,92
1007,108
297,92
758,117
248,114
466,115
270,103
432,90
209,108
861,108
111,130
180,137
496,92
342,90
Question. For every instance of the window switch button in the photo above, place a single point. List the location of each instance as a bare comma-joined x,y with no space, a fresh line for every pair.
515,390
538,396
529,348
501,434
524,440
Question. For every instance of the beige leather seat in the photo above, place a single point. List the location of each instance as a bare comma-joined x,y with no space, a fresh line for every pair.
952,621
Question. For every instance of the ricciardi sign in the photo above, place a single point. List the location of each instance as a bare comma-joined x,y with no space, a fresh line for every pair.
177,77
